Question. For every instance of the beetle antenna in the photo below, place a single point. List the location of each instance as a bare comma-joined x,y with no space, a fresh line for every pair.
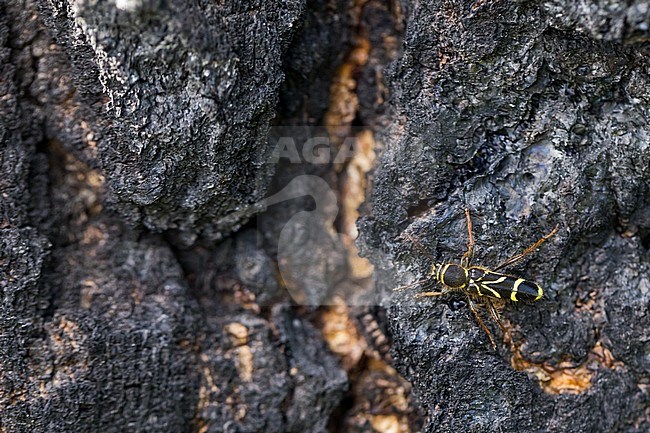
414,283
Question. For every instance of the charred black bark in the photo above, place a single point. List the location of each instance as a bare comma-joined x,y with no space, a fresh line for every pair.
134,146
530,115
182,91
105,326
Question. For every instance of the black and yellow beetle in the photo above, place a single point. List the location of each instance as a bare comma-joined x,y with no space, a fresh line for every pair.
483,284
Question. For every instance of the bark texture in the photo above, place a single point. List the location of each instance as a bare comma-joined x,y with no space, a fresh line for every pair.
530,114
147,286
185,91
145,117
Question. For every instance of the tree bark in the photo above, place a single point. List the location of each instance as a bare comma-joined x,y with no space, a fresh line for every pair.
163,270
529,114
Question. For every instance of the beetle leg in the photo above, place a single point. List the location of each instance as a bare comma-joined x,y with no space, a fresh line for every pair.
428,294
514,259
467,257
472,307
495,315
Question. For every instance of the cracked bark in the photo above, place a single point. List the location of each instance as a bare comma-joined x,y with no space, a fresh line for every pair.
138,294
530,114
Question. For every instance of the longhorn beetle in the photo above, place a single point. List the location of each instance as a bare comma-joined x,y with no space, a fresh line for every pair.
480,283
